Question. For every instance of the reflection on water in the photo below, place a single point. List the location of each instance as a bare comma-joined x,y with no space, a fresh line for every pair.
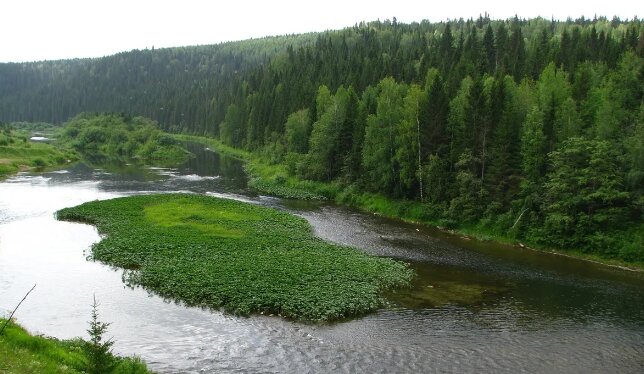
474,307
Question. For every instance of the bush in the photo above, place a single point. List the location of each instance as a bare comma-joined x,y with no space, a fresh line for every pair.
39,163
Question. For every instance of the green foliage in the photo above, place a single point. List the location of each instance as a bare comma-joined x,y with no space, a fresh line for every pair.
380,134
584,196
25,353
98,350
103,137
39,163
457,122
465,206
408,153
17,154
236,256
270,178
630,245
322,161
297,131
635,163
533,150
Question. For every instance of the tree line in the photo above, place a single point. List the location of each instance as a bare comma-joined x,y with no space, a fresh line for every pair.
532,129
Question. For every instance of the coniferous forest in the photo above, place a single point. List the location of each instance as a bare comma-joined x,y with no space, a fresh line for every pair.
527,129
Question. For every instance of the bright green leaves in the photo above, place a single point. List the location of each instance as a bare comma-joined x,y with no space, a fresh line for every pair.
298,128
320,162
236,256
408,139
379,150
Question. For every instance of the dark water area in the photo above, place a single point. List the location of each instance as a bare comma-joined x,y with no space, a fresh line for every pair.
474,306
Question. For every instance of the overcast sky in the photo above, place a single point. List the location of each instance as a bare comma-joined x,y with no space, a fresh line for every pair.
32,30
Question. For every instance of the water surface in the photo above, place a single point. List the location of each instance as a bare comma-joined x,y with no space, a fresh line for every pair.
474,307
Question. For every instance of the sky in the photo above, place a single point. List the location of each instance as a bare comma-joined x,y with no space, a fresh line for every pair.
34,30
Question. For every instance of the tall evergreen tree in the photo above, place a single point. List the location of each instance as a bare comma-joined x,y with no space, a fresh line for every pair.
378,154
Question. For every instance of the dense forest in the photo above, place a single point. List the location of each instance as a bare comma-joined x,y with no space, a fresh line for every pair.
528,129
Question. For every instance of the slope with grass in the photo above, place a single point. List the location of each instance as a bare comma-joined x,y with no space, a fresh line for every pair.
236,256
269,178
21,352
17,153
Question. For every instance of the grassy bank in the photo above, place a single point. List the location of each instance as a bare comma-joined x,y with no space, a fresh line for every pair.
26,156
416,213
273,179
98,139
21,352
236,256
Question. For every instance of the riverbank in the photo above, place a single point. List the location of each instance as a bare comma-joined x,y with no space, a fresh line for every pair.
271,179
21,352
28,156
242,258
96,138
274,179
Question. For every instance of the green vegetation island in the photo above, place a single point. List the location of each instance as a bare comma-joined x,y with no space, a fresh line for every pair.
239,257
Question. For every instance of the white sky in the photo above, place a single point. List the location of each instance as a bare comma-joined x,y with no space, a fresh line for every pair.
32,30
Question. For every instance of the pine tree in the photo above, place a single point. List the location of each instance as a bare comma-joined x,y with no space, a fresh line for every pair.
99,355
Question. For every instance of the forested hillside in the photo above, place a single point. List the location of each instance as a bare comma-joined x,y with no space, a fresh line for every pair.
174,86
528,129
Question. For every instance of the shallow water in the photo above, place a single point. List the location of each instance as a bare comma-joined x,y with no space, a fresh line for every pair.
475,307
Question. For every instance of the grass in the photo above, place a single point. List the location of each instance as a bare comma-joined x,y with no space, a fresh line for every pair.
24,156
236,256
270,179
21,352
138,142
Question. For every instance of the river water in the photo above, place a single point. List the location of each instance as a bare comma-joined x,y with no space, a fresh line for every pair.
475,307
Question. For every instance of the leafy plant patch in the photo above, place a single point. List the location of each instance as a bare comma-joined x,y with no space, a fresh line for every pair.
236,256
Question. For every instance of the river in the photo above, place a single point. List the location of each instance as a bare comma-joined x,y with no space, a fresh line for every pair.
475,307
